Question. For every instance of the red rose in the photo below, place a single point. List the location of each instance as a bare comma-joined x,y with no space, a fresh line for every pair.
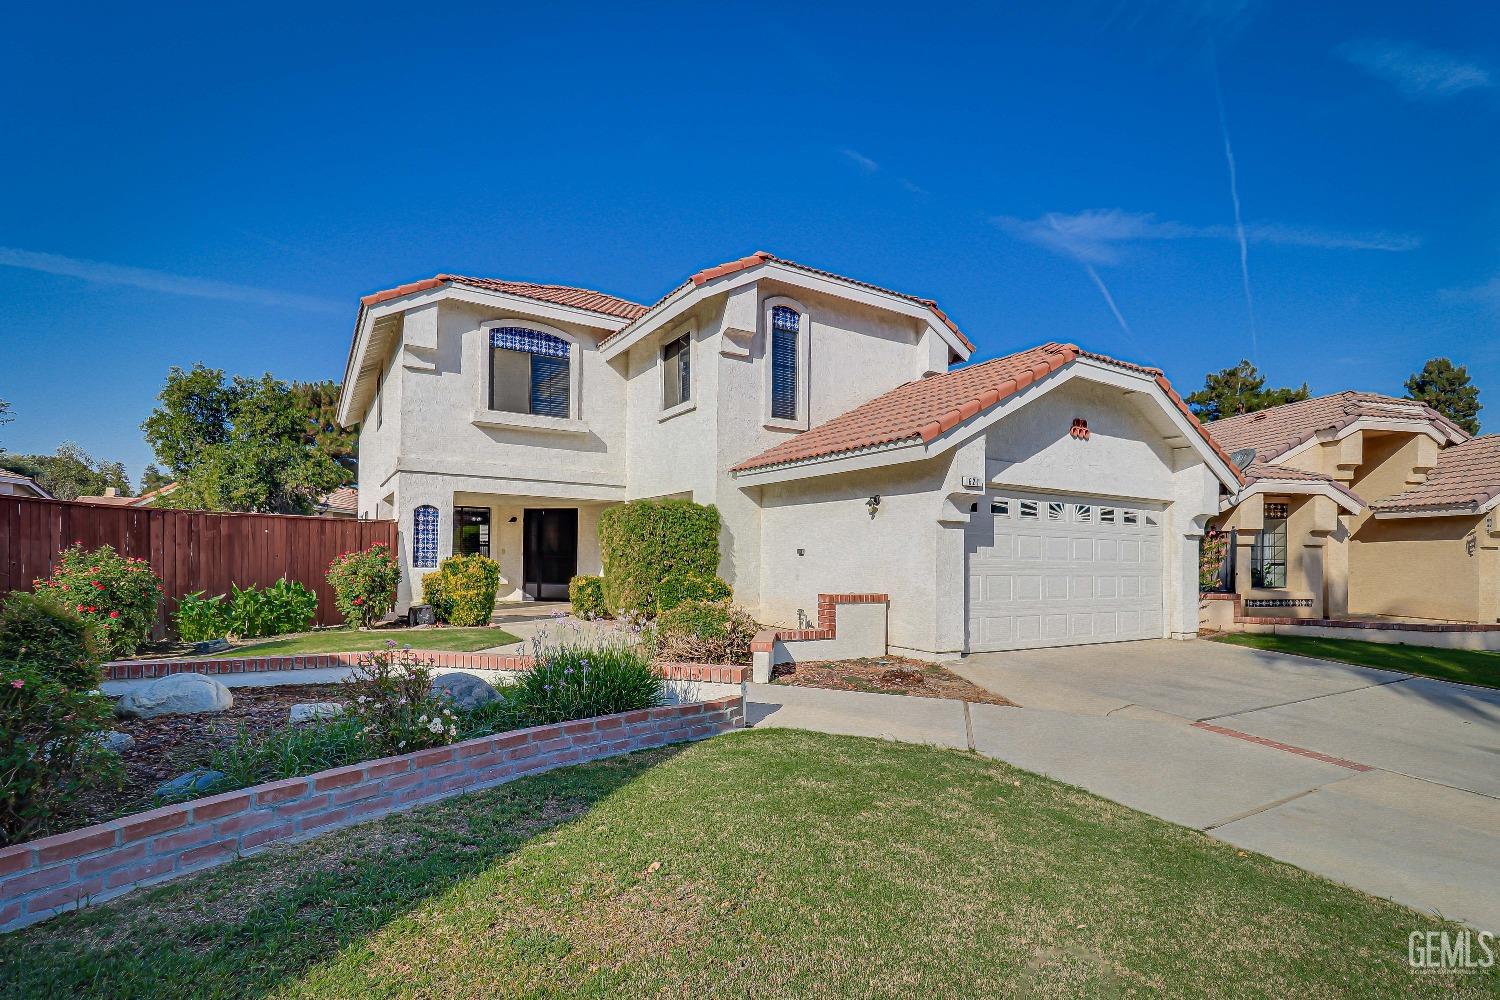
80,607
92,609
114,614
98,584
359,600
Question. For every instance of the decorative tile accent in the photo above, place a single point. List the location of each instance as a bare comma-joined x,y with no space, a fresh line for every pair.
519,338
786,318
1279,602
424,537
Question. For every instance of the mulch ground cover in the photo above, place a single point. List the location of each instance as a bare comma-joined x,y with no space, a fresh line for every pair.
168,745
885,675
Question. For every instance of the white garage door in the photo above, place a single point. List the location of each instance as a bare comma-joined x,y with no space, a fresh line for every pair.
1062,570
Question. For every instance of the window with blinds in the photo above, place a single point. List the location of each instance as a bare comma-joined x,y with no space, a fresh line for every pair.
530,372
677,372
786,326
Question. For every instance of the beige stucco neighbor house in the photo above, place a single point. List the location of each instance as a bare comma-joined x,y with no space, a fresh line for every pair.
1362,505
1052,496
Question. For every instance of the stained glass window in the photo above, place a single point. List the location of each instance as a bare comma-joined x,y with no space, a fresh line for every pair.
424,536
786,325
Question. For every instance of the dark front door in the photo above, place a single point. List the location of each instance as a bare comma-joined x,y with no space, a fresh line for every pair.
550,558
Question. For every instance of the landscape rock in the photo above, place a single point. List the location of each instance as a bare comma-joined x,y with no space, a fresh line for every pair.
197,780
462,690
179,694
116,741
211,646
311,710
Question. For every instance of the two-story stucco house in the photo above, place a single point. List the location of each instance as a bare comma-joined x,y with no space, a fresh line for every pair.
1365,506
1048,497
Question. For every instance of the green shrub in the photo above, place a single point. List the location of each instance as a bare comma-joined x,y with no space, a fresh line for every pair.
49,748
690,587
586,593
432,593
201,618
469,586
581,678
364,584
290,752
706,632
646,541
390,697
285,606
64,645
119,595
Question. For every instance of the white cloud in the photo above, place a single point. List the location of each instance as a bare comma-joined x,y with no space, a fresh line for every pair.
1487,293
1419,73
158,281
860,160
1099,236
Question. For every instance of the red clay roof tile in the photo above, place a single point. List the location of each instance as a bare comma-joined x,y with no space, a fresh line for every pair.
928,407
565,295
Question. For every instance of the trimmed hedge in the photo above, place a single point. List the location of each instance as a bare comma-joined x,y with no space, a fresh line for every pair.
646,541
674,590
587,596
469,584
432,593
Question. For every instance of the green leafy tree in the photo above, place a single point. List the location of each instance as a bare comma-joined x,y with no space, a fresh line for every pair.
154,479
241,445
1241,389
1446,387
70,473
320,401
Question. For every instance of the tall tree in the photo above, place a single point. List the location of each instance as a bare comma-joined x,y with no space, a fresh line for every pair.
154,479
242,444
70,473
1241,389
1446,387
320,400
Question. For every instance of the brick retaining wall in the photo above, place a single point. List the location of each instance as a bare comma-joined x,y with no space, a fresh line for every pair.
42,878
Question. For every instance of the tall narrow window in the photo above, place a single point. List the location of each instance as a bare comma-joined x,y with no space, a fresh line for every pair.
786,326
424,536
530,372
471,531
677,372
1268,554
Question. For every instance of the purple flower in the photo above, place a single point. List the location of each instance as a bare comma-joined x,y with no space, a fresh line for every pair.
390,643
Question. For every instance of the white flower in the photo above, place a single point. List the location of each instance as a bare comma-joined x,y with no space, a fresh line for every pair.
400,745
435,726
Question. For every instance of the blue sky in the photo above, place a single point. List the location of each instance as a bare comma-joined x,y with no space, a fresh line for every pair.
219,183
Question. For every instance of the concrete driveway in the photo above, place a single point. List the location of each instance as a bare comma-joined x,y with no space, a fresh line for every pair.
1376,779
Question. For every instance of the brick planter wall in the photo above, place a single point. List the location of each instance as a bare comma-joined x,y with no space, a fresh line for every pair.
42,878
134,670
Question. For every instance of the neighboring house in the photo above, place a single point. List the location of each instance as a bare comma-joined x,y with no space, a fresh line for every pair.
1049,497
13,484
342,502
1363,505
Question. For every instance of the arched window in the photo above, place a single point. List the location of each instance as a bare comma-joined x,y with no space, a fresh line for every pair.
530,372
424,536
786,327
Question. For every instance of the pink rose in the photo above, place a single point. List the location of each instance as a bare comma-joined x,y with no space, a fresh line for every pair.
18,684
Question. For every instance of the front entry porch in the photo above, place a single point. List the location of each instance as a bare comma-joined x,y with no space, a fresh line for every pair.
540,542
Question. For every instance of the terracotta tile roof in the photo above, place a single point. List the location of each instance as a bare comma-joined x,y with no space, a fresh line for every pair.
344,499
924,409
1284,473
1278,429
563,295
1467,477
759,257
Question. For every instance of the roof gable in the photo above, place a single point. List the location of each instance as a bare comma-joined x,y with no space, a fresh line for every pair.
1276,430
1466,478
563,295
923,410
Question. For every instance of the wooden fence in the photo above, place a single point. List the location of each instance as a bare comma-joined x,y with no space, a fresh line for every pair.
189,550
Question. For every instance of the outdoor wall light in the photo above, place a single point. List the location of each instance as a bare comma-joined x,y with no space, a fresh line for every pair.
874,504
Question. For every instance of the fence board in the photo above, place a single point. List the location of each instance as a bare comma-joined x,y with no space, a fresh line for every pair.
189,550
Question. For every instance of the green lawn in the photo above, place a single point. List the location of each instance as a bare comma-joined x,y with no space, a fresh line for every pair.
1465,665
768,863
348,640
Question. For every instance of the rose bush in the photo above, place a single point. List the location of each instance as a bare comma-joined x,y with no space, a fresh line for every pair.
390,696
364,584
119,594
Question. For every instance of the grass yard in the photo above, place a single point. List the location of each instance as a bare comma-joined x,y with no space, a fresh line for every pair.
349,640
1465,665
770,863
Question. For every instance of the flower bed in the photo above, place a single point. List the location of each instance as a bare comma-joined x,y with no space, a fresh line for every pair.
41,878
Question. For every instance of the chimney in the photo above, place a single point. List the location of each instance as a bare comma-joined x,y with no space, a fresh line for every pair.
110,491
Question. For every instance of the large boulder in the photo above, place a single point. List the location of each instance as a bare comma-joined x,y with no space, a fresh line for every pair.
178,694
308,711
462,690
194,781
